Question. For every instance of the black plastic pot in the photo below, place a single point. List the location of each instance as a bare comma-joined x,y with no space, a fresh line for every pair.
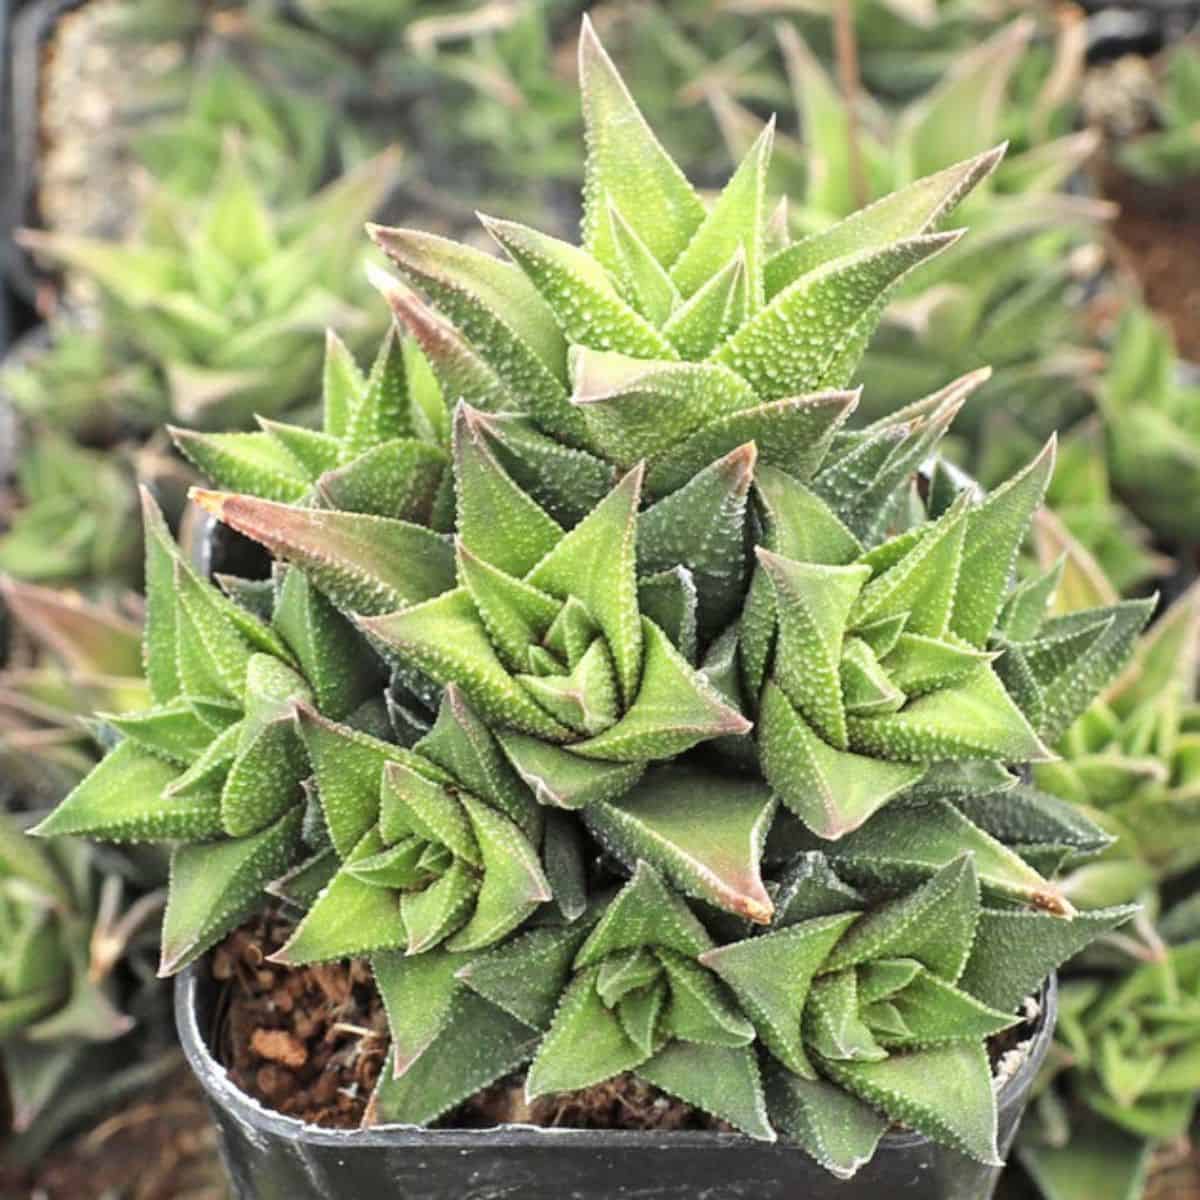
272,1157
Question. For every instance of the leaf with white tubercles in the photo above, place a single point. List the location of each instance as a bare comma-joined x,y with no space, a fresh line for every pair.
366,564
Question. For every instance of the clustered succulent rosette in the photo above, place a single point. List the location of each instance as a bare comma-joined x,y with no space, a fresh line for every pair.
65,924
668,728
1123,1073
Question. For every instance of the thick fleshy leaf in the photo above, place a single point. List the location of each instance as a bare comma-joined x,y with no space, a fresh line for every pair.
838,1130
934,924
850,290
477,1045
913,210
642,279
364,563
561,779
702,527
711,315
946,1093
675,708
1015,951
636,409
813,602
907,843
122,800
735,222
994,534
800,525
462,745
526,975
832,791
627,165
584,1045
216,885
497,308
497,521
792,434
771,976
587,306
347,767
418,992
400,479
513,885
703,832
595,562
348,918
445,638
722,1080
245,462
645,912
700,1009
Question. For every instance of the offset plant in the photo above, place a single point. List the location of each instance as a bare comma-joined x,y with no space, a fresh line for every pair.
221,294
1122,1077
693,758
1152,423
74,523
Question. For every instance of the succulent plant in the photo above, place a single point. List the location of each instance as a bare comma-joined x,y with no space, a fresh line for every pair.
67,658
1122,1077
1152,428
1171,152
996,299
380,449
1132,760
692,758
220,296
79,383
286,136
73,524
63,931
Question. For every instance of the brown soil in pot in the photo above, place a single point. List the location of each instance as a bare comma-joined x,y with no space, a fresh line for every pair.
1175,1174
310,1042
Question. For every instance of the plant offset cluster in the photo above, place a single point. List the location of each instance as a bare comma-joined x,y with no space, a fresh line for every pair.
691,754
221,295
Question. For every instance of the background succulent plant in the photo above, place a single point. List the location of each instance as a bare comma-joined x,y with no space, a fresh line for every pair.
678,592
222,301
1150,414
1171,152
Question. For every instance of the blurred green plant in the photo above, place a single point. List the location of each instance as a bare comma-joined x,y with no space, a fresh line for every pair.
1171,152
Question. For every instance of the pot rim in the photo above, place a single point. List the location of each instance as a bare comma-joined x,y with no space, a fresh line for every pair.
223,1092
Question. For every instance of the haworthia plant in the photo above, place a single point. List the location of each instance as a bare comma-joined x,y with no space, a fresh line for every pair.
636,716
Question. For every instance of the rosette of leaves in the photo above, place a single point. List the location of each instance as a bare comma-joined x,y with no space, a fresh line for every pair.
1152,426
67,658
220,294
286,137
63,930
380,449
1122,1075
79,383
559,804
74,524
997,298
1132,761
216,766
1170,153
